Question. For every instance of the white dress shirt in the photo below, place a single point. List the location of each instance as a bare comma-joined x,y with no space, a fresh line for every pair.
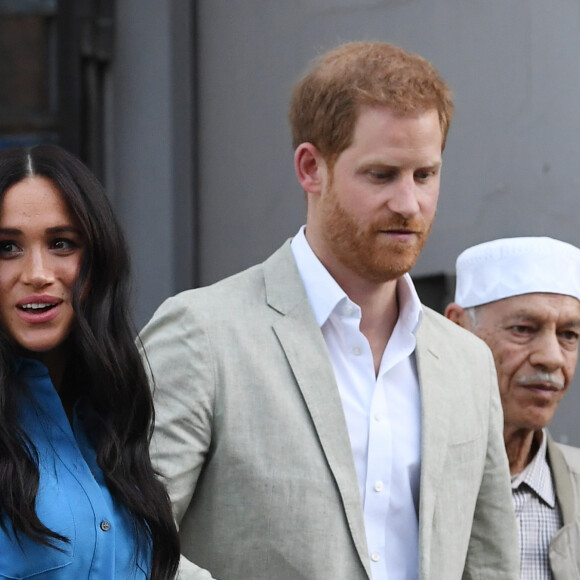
383,413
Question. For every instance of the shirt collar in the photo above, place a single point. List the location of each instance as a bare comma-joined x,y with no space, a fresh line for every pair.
325,294
537,476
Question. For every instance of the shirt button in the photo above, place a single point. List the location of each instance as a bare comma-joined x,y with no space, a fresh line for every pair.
379,486
375,556
378,417
105,526
348,309
356,351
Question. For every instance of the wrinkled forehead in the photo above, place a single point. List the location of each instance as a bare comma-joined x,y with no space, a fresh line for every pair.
540,306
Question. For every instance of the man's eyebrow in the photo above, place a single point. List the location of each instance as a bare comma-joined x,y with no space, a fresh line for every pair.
532,317
524,314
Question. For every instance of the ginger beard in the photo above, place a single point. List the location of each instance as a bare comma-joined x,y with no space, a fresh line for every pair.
364,248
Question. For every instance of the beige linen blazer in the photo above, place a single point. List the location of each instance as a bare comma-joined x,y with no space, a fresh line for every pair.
564,549
251,438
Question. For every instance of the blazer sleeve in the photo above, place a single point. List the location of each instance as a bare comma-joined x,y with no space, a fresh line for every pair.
176,349
493,548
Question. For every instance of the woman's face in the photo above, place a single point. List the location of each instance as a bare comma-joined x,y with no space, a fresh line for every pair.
41,248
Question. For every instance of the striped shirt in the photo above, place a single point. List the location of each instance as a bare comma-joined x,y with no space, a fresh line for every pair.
538,515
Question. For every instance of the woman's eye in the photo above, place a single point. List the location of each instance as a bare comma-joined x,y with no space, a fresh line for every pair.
63,244
8,248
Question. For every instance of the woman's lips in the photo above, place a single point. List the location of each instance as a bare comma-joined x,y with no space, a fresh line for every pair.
38,310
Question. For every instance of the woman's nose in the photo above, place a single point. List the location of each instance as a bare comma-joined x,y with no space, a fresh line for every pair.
37,271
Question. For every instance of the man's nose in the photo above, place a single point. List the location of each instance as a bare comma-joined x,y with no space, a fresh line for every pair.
548,353
403,200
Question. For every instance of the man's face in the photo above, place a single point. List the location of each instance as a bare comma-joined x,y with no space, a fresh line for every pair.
534,340
378,204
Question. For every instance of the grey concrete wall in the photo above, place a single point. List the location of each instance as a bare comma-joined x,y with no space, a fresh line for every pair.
509,168
150,159
141,151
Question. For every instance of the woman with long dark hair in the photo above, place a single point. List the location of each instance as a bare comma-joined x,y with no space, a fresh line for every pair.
78,495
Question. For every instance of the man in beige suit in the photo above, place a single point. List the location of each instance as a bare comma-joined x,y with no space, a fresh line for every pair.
314,420
522,296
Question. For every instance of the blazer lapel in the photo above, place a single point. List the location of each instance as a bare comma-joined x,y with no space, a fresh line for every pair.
435,382
562,551
562,483
305,349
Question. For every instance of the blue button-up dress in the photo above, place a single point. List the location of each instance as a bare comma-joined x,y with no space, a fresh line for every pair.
73,500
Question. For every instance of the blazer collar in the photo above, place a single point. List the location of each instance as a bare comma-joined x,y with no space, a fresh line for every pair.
284,288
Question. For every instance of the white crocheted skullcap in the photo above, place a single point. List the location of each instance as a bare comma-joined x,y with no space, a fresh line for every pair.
513,266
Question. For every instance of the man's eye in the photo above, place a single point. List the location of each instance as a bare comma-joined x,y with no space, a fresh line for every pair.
379,176
569,335
521,329
423,175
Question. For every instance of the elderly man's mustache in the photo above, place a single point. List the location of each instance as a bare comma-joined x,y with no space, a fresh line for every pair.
546,379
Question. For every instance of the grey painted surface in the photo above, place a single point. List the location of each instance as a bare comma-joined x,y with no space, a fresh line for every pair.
142,149
510,167
151,159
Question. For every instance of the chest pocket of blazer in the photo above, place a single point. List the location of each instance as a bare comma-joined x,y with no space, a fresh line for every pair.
466,444
465,460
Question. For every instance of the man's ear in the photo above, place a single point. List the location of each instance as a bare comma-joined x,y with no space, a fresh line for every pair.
456,314
310,168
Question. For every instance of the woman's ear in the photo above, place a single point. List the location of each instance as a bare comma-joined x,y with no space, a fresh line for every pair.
310,168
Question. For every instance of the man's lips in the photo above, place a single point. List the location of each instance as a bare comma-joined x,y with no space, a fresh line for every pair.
398,234
542,387
542,381
542,390
393,229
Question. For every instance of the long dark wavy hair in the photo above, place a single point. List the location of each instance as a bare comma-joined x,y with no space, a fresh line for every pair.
115,389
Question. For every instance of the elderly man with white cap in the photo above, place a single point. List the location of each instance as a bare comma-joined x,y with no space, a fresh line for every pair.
522,297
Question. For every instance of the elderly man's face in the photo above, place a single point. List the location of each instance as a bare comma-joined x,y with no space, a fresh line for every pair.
534,340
